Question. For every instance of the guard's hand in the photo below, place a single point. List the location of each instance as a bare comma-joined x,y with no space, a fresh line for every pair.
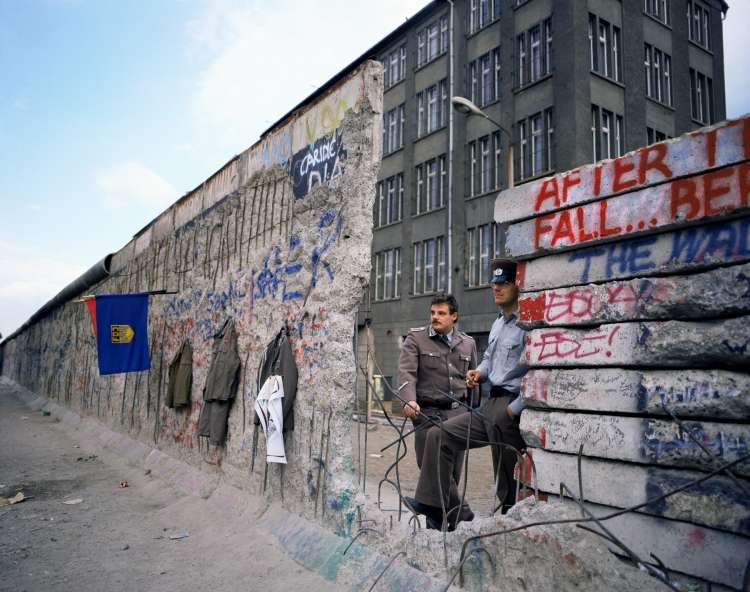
473,377
509,411
411,409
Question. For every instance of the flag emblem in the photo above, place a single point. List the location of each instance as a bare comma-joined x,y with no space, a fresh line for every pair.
121,333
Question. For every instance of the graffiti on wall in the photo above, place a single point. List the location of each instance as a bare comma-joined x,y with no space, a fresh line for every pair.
280,276
317,164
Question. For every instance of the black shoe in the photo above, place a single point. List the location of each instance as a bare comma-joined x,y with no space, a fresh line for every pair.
433,516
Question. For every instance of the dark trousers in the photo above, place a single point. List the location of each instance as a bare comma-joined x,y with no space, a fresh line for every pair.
422,426
443,447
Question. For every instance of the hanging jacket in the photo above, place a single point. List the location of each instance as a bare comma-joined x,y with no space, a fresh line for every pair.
278,359
180,377
221,386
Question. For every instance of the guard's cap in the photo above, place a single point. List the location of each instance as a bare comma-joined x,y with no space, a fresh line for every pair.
503,270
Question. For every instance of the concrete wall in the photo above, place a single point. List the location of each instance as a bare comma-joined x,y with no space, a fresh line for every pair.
635,294
280,235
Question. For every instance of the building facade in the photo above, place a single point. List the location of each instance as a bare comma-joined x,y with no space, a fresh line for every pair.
569,81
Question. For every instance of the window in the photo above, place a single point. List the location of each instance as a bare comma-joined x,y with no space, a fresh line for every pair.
393,130
394,67
658,68
605,48
701,97
482,244
534,51
607,134
535,142
659,9
432,108
429,265
484,78
432,185
432,41
389,200
653,135
387,266
484,159
482,13
699,24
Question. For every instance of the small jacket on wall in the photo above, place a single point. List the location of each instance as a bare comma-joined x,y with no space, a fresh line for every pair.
180,377
221,386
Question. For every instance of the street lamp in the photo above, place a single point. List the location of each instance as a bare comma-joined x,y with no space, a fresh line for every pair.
467,107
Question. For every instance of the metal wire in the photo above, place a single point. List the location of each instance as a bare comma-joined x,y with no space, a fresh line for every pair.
382,573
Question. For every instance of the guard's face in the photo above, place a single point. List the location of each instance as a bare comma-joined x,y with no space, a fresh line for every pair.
505,294
442,318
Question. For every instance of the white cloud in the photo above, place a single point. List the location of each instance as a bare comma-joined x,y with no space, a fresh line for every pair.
260,59
133,183
29,277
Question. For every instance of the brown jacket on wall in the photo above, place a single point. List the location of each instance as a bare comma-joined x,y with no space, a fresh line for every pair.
180,377
221,386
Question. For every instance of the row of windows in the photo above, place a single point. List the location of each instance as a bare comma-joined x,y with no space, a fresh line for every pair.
699,25
394,67
432,185
432,41
605,48
483,82
607,133
389,200
432,108
534,51
393,129
430,269
534,47
429,257
484,159
701,97
482,13
535,145
659,9
653,135
658,66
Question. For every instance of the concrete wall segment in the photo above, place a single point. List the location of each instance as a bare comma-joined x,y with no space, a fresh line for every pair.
716,503
683,250
264,257
718,293
698,393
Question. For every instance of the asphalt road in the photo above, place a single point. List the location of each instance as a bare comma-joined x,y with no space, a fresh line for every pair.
118,538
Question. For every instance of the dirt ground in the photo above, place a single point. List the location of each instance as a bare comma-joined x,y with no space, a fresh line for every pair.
118,538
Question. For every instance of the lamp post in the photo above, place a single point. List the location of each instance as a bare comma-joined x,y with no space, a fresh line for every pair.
467,107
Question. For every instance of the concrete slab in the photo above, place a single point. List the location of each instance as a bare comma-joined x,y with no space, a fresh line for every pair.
717,394
686,249
712,147
720,292
690,549
667,344
639,440
705,197
716,503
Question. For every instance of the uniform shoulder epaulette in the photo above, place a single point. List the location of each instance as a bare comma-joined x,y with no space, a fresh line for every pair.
416,329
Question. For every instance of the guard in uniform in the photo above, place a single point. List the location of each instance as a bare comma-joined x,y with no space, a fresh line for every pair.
432,371
497,420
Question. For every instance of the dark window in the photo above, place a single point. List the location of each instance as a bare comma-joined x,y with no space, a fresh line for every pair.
534,53
535,153
605,48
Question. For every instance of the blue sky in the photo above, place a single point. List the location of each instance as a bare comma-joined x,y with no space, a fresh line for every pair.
111,110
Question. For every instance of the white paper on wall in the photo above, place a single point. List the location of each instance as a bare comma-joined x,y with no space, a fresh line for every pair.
268,407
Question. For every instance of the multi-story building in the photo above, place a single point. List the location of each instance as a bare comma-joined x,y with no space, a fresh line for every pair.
572,82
